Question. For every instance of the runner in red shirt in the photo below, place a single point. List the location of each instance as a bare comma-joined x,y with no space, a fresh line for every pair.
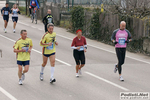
79,45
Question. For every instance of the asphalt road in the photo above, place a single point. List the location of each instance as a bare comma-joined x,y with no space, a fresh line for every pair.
98,81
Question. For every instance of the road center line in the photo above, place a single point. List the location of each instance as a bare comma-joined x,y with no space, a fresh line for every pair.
36,51
109,82
7,94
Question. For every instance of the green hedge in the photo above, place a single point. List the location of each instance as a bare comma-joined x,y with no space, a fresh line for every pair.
77,18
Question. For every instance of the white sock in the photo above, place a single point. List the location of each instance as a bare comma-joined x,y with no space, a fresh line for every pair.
42,69
52,72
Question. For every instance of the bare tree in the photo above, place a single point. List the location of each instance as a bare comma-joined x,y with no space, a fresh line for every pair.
137,8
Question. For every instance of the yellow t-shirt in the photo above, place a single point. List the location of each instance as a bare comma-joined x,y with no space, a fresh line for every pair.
47,38
23,44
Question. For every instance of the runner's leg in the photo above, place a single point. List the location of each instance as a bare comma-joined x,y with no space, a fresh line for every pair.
14,26
76,57
122,59
82,57
26,69
5,25
123,55
44,63
19,71
46,28
52,62
77,68
30,10
20,74
119,56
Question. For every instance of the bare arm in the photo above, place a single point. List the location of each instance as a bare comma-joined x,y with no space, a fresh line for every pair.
17,51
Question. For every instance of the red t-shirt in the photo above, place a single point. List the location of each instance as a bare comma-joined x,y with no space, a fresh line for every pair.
76,42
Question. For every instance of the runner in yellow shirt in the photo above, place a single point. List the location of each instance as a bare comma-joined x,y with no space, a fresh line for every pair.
23,49
48,42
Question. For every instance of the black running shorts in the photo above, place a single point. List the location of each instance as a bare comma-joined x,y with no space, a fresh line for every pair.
79,57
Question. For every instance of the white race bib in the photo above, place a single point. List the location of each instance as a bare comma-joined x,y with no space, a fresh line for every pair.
50,47
5,12
122,41
49,20
81,48
25,48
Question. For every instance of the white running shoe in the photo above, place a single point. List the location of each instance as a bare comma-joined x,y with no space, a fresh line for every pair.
115,70
121,78
77,75
23,76
20,82
14,31
52,80
80,72
5,30
41,76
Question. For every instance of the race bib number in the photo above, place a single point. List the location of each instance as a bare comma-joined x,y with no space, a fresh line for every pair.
5,12
25,48
81,48
122,41
50,47
49,20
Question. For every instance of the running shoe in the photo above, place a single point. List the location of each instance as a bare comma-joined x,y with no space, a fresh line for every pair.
14,31
41,76
115,70
121,78
52,80
23,76
5,30
77,75
80,72
20,82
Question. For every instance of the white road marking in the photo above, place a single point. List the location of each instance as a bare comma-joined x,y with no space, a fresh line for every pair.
40,29
55,59
7,94
33,27
23,23
7,38
109,82
64,37
36,51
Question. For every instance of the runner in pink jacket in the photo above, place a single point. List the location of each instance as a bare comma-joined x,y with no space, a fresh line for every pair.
120,38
